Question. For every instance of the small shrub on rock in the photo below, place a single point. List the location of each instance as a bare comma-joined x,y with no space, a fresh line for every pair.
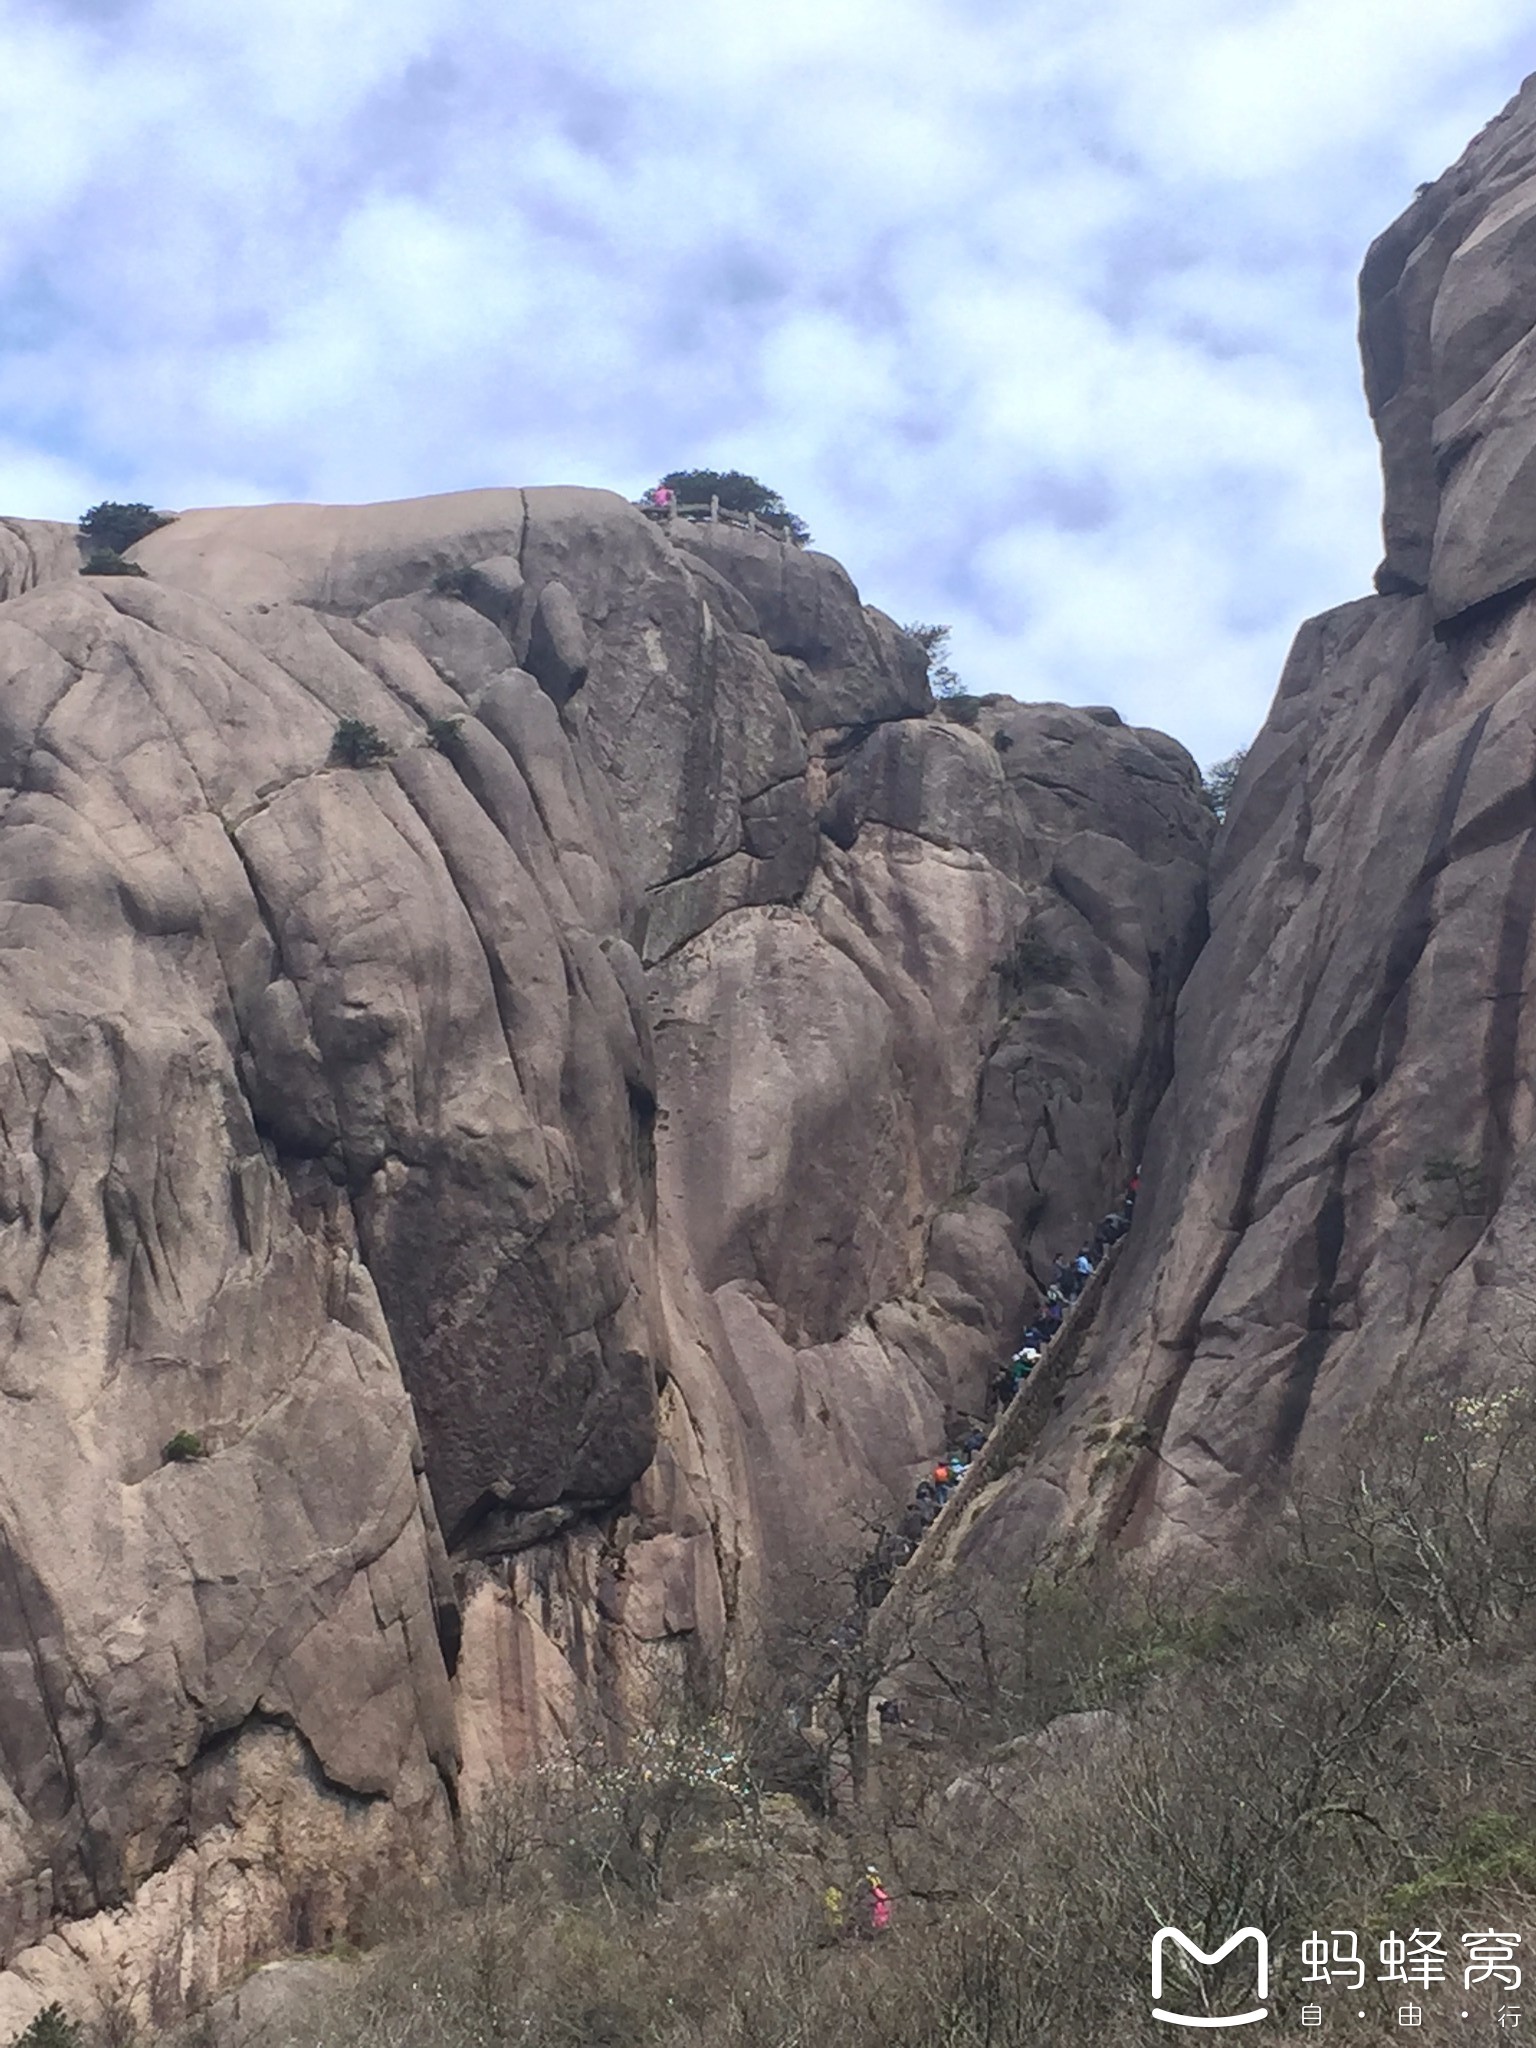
52,2028
960,708
445,734
183,1447
103,562
1455,1188
934,641
1220,780
357,744
115,527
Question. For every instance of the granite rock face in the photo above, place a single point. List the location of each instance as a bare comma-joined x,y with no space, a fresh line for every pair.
1340,1182
1448,304
547,1180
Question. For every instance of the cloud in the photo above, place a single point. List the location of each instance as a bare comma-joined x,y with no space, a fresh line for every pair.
1270,92
1040,311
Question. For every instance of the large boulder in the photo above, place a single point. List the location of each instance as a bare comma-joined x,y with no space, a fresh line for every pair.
545,1182
34,551
842,663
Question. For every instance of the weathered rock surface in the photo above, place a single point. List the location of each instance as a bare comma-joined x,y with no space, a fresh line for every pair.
1340,1183
34,551
556,1174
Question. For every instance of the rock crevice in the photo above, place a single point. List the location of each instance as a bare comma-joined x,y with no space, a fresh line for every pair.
1338,1175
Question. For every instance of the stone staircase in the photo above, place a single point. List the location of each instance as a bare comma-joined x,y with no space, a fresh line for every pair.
1012,1435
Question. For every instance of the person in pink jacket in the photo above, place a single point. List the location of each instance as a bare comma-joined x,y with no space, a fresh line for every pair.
874,1905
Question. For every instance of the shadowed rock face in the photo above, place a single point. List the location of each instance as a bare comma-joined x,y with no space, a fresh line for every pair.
558,1174
1340,1181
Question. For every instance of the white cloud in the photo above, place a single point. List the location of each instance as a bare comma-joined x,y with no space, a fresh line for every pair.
1267,96
1041,311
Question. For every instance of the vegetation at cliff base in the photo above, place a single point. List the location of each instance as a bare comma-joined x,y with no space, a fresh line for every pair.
737,492
1333,1737
115,527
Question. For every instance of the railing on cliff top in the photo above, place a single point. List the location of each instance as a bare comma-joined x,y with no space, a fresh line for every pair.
716,514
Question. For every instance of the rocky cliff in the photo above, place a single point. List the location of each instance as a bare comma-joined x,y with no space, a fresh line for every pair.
1341,1180
544,1180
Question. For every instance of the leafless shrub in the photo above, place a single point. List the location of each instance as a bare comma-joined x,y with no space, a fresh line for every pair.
1430,1512
1339,1736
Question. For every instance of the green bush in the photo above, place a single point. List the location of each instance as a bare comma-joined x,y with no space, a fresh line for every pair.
1453,1189
960,708
52,2028
1492,1852
103,562
183,1447
115,527
737,492
445,733
357,744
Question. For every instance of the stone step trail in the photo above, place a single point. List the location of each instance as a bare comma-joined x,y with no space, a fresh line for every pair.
1013,1433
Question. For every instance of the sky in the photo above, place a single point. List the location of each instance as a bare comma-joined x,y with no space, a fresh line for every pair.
1040,312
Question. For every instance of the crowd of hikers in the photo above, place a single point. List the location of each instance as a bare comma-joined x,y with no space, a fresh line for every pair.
868,1914
1069,1276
